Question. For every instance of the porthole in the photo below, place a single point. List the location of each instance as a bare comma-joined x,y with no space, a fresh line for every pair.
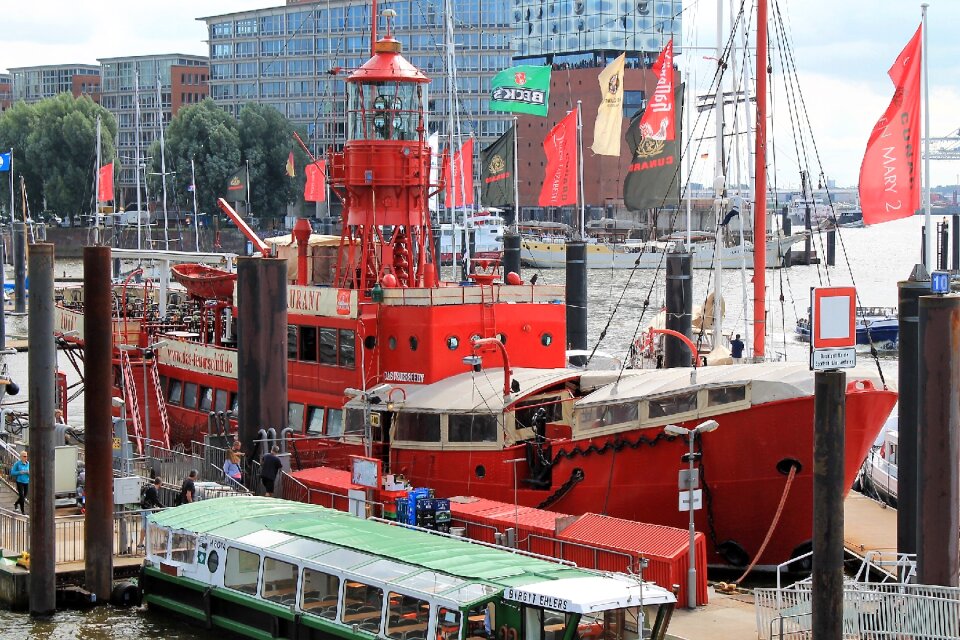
546,339
502,337
474,337
213,561
414,343
392,343
370,342
481,471
453,342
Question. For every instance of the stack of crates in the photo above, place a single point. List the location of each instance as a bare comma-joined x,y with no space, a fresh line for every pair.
442,514
420,508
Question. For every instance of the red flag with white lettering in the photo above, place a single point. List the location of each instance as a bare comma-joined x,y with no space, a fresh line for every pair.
658,118
560,179
105,194
462,182
316,188
890,173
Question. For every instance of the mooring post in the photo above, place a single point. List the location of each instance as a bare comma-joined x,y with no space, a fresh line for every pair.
679,299
938,460
956,242
576,294
98,421
943,230
42,362
261,341
831,247
828,463
909,292
19,241
511,251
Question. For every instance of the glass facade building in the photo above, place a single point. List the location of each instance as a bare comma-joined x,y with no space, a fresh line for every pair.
32,84
127,80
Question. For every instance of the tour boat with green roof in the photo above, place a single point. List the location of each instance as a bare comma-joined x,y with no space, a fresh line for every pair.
271,568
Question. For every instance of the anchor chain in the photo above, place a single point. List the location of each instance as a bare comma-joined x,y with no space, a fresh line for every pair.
575,477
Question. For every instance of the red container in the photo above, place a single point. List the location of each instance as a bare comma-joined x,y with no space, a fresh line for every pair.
327,487
610,544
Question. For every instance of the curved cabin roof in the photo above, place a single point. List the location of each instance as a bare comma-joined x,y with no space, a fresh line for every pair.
282,526
475,392
769,381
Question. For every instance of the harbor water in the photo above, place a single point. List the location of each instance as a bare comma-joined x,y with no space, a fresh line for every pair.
878,256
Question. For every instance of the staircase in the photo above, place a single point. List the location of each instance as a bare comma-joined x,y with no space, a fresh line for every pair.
161,404
130,397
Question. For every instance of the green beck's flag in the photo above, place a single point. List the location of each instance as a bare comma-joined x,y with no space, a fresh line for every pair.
523,89
497,172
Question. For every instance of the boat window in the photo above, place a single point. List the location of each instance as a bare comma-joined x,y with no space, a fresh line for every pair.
547,624
348,348
362,606
163,382
386,570
175,394
308,344
602,415
241,570
407,617
448,624
430,582
528,409
355,422
328,346
481,620
418,427
279,581
206,398
334,422
726,395
190,395
295,416
234,403
315,420
221,400
302,548
292,342
472,427
320,593
184,548
159,537
671,405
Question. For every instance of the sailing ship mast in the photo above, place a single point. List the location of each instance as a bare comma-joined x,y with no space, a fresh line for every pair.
163,163
719,187
760,189
136,138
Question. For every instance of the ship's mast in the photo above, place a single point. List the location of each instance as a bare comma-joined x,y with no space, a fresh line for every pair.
760,190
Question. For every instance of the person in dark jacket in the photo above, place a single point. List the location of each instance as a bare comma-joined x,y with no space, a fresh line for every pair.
270,467
149,501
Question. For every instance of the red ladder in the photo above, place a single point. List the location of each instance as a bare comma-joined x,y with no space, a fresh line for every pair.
130,397
488,319
161,403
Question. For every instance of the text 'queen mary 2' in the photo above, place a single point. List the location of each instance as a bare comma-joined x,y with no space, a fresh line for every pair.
372,311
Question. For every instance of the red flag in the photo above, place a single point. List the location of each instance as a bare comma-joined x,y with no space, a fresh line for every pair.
658,118
890,173
463,188
316,188
105,192
560,180
291,171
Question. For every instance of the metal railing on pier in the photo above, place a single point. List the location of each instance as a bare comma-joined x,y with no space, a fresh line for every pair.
870,610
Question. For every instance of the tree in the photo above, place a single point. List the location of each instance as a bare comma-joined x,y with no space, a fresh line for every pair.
54,143
266,140
207,134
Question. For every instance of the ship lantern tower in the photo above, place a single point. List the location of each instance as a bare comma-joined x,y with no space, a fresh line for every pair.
383,174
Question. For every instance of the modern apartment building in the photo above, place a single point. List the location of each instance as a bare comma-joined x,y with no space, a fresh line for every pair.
295,58
32,84
160,84
6,91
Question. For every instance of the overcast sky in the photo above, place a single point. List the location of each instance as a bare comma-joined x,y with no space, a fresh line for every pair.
842,51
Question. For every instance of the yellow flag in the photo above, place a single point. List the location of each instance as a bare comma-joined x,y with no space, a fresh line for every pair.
606,130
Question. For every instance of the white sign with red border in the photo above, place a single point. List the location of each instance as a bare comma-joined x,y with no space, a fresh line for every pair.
833,331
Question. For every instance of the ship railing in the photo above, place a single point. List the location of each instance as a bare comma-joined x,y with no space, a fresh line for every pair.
290,488
870,610
69,534
476,530
173,467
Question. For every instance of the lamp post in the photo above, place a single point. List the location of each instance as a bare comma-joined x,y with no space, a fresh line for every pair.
691,435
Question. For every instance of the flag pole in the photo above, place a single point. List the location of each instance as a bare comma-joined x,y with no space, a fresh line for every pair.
516,179
136,168
96,193
196,219
11,192
928,236
583,200
248,187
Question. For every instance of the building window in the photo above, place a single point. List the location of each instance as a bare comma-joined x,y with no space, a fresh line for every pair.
247,27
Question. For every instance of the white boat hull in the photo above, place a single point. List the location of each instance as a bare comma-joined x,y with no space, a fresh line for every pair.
552,255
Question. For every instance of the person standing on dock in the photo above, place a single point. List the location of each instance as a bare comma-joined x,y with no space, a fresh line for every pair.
270,466
188,490
231,469
149,502
20,472
736,348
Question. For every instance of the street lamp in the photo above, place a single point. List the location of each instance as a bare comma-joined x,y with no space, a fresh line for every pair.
691,435
374,395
